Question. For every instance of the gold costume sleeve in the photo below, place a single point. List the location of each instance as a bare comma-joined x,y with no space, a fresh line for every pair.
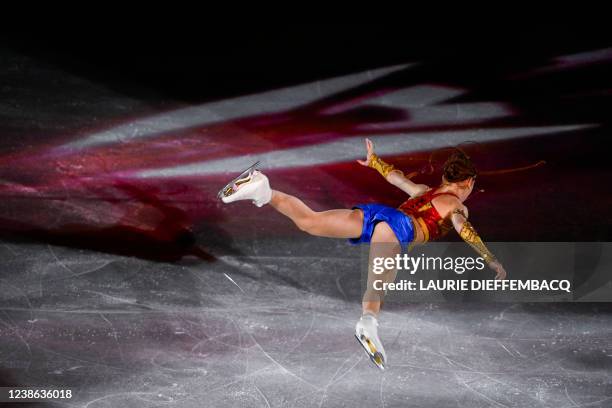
469,235
380,166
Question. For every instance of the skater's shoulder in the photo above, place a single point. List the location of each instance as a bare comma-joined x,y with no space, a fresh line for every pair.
447,199
445,204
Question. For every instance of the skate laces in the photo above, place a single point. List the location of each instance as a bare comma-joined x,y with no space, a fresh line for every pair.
232,188
244,180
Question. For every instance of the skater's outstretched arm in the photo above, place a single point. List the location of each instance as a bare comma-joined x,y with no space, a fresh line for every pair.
469,235
391,174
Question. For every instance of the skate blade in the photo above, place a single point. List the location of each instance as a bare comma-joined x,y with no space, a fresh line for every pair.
371,351
244,177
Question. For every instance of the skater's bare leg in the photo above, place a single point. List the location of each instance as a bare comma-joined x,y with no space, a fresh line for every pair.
333,223
384,244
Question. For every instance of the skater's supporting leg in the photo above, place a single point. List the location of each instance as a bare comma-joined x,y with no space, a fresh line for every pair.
333,223
384,244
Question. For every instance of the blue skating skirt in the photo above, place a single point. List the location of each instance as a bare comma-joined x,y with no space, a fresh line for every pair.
400,223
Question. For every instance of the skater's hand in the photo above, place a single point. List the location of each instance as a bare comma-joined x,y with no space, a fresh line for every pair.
370,152
500,272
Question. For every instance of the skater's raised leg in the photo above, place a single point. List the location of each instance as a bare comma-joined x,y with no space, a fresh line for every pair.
254,185
340,223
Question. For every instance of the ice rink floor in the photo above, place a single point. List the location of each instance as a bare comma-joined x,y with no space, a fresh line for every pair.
272,328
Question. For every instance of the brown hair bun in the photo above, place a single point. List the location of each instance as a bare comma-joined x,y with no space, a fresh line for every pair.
459,167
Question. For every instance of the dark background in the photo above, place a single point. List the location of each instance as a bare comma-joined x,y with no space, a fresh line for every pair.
210,63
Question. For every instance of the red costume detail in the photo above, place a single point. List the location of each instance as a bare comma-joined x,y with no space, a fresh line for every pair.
423,211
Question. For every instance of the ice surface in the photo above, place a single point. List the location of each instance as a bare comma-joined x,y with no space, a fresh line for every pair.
134,333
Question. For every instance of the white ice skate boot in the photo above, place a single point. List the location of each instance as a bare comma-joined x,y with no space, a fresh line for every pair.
366,332
251,184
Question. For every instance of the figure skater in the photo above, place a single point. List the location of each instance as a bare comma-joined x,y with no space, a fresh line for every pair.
428,214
